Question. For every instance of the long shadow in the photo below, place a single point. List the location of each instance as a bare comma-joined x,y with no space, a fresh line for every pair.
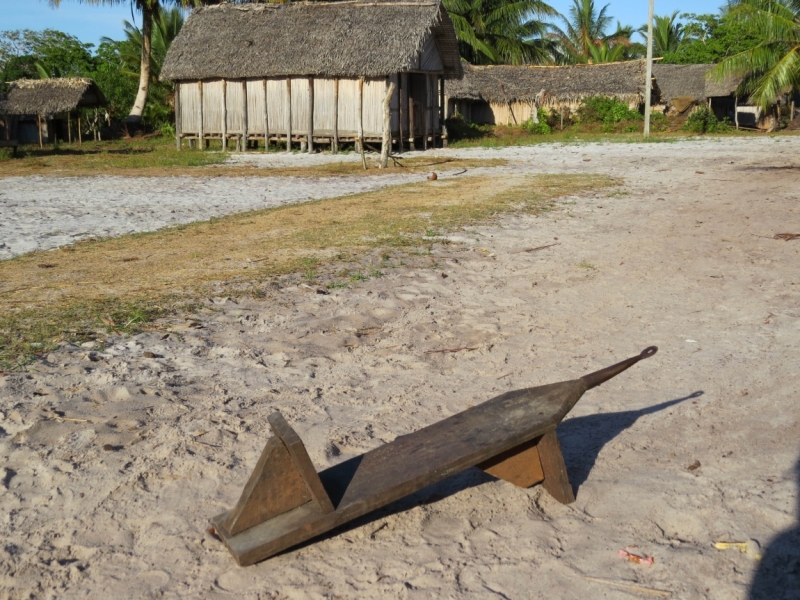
582,438
778,574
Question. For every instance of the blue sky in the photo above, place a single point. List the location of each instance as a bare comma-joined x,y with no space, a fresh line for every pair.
90,23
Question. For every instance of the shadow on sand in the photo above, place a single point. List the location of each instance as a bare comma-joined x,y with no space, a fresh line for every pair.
778,574
582,438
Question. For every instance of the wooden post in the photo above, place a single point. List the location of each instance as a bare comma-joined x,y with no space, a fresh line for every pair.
736,111
556,480
426,112
201,141
224,115
69,128
791,112
361,121
335,141
401,111
80,133
288,114
386,145
266,118
39,121
442,112
411,123
562,118
178,116
245,124
310,129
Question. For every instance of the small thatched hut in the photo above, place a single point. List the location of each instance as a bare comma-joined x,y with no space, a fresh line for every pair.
679,87
41,109
509,95
315,72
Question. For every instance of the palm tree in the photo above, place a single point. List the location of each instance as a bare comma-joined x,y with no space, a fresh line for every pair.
150,10
667,33
584,34
502,31
166,27
772,67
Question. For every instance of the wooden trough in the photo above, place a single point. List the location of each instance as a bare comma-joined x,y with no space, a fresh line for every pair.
512,437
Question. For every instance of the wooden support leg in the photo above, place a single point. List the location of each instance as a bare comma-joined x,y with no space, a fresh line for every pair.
556,480
537,461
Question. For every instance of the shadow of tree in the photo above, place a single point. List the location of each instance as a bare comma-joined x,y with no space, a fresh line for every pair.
582,438
778,574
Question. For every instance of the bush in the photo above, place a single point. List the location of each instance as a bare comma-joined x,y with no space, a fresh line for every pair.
608,111
540,128
703,120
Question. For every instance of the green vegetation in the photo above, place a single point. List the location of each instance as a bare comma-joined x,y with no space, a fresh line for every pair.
702,120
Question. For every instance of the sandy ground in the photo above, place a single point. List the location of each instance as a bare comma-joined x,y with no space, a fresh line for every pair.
680,256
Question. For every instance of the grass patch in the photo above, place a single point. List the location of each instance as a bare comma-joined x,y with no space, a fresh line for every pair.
158,157
120,284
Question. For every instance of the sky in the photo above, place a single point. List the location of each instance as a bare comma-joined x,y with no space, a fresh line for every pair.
89,23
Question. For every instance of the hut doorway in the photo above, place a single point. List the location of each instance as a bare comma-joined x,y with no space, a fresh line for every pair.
422,110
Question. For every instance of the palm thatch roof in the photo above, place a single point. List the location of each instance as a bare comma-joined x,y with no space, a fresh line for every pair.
676,81
554,85
50,96
326,39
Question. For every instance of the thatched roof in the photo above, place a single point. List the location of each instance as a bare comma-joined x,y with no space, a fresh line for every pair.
680,81
328,39
50,96
676,81
503,84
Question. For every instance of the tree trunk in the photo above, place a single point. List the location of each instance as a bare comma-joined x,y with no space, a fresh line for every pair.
148,14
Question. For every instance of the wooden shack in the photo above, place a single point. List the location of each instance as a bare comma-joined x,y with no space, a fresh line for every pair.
43,110
510,95
315,73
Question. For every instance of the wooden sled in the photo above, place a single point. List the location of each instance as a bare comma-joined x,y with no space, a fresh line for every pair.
512,437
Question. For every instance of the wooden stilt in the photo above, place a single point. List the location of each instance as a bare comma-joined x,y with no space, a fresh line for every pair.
80,133
288,115
310,126
69,127
411,124
39,122
736,111
402,109
361,121
224,115
266,117
245,123
335,140
201,138
426,112
178,124
386,144
442,112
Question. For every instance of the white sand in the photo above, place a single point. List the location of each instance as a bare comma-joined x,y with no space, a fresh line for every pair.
674,260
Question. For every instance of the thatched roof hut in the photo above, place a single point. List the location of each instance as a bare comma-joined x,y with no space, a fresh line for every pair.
47,97
553,86
323,39
313,72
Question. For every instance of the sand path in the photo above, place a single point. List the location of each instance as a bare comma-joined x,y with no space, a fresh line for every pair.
674,258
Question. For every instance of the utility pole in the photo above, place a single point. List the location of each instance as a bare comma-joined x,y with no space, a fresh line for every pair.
649,74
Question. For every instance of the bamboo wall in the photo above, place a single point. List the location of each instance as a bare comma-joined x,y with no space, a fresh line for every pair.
247,105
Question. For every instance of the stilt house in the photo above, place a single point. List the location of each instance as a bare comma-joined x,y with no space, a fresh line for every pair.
315,73
43,110
510,95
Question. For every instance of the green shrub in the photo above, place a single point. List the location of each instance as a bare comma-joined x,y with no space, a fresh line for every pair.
703,120
540,128
601,109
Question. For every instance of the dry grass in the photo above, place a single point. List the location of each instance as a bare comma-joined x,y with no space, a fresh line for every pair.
120,283
159,158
